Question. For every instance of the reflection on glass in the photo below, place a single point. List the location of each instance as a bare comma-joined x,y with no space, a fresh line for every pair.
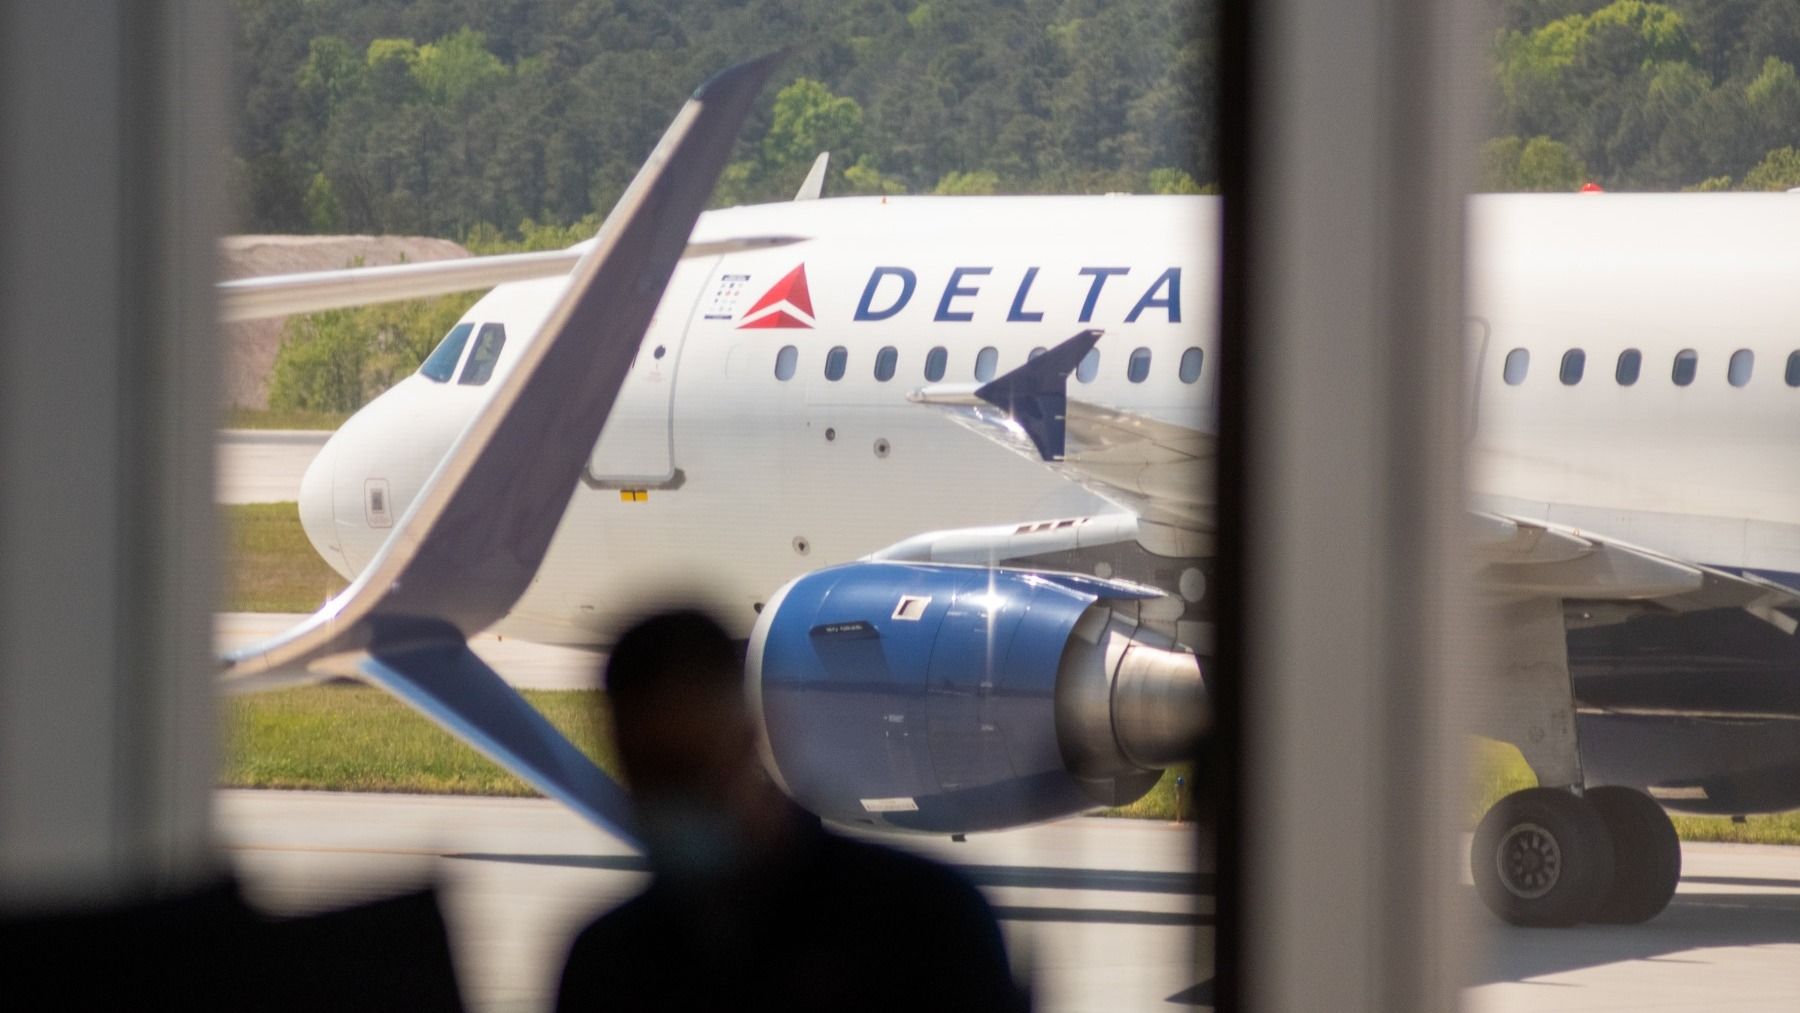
1631,362
885,361
835,360
1517,362
1191,361
935,361
785,361
985,361
1687,363
1574,362
1738,370
1090,366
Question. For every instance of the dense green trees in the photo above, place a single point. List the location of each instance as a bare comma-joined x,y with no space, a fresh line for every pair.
453,117
1642,95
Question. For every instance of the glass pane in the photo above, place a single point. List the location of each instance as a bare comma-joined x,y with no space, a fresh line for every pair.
1630,362
1687,362
935,361
1090,366
485,355
885,361
1034,353
1738,370
441,363
985,360
1517,362
1139,367
785,361
1191,361
835,360
1793,369
1574,362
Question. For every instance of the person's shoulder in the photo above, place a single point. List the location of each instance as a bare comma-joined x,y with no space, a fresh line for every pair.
624,923
909,877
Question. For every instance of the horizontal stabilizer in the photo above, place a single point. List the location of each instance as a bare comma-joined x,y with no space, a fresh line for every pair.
453,687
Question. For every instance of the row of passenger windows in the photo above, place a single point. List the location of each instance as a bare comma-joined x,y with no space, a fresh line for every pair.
987,362
440,365
1630,365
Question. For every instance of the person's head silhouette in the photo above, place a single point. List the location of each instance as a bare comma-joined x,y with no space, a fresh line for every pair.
687,743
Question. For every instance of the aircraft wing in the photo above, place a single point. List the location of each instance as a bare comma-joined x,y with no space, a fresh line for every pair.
1528,558
474,537
284,294
1160,471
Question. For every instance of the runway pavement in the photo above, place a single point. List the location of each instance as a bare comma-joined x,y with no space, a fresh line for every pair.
1102,914
264,465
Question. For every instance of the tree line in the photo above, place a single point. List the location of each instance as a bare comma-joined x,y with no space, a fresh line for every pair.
514,124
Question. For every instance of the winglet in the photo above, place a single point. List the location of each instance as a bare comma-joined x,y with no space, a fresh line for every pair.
1035,394
813,187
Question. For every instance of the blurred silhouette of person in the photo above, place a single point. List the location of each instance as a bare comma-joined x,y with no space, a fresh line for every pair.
752,903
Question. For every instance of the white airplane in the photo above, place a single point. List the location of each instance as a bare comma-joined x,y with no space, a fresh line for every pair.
946,463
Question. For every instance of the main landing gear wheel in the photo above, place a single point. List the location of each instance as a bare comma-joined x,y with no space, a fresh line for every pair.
1542,857
1646,855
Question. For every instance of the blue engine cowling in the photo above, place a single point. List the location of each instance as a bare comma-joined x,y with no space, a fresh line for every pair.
940,698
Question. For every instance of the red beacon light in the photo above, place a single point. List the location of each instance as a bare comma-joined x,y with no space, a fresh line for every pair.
1591,187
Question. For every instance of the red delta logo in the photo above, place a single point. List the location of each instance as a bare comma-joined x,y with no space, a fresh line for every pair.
787,303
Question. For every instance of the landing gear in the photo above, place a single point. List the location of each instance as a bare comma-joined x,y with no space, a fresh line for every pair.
1546,857
1542,857
1646,855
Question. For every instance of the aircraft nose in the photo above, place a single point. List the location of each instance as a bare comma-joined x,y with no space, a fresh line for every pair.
318,511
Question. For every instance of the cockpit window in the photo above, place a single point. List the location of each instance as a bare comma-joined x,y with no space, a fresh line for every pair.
487,352
442,360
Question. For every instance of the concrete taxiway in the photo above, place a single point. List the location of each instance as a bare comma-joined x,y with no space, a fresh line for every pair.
1101,914
264,465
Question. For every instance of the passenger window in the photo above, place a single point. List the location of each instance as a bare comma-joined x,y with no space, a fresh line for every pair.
1089,367
1742,364
1573,364
1137,369
985,361
1631,362
835,360
885,361
1517,362
1034,353
442,360
785,361
1793,369
487,352
1687,362
935,361
1191,361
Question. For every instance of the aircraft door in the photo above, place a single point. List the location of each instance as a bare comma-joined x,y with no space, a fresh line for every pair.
1475,350
636,448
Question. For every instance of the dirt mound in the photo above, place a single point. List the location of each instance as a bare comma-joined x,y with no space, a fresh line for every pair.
250,347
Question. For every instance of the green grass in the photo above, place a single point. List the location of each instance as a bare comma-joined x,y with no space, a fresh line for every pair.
291,418
1499,770
349,737
270,566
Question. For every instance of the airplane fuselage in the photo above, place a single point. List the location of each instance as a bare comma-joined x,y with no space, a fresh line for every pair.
765,430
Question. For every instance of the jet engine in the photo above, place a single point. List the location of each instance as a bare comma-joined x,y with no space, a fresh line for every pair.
941,698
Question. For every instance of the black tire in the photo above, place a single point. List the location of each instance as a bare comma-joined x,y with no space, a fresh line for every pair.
1542,857
1646,855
